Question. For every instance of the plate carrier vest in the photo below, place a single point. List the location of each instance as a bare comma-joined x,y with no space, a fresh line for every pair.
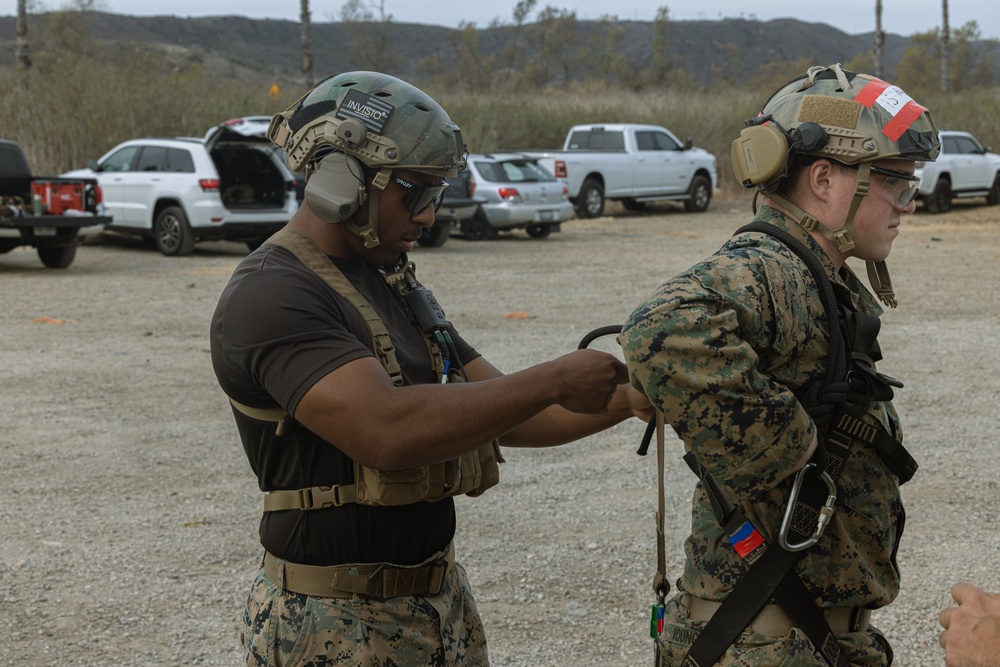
470,474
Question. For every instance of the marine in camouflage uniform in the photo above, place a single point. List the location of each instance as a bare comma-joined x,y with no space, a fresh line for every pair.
725,349
361,409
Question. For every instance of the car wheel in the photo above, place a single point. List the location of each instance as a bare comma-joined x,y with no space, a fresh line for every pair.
700,194
940,199
172,233
590,201
477,228
633,205
538,231
993,198
57,258
436,236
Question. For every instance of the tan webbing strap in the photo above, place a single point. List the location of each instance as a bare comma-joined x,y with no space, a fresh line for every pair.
369,232
661,586
285,421
316,260
378,580
313,498
878,276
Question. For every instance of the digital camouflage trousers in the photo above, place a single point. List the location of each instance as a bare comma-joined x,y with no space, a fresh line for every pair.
284,629
863,649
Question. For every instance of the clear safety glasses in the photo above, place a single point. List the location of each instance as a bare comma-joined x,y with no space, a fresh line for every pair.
418,197
901,188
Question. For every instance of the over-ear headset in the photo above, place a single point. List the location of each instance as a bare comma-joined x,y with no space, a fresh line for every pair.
760,155
336,188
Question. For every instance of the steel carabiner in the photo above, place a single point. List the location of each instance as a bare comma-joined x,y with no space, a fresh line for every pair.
825,513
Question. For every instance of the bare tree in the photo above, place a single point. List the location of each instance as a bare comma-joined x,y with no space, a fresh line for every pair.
879,39
307,55
512,51
21,51
368,28
945,48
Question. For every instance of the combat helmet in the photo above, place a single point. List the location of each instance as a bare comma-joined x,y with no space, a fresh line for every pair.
854,119
368,117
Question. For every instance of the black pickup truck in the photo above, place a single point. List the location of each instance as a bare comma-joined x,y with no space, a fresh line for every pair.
45,213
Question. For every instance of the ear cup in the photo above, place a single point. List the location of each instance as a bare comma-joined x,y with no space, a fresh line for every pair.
336,188
759,154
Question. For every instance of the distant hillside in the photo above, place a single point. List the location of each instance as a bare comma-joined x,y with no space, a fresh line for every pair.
270,49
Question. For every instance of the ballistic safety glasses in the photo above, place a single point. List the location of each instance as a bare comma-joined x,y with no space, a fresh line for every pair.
902,187
418,197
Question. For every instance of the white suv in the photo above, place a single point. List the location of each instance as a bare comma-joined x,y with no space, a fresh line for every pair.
177,191
965,168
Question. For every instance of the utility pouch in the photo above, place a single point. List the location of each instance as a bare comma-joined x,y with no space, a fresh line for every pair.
395,487
472,473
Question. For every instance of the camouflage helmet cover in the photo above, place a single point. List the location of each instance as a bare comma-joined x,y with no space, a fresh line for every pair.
402,127
865,118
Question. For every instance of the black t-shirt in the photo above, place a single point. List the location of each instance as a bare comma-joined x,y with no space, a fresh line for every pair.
278,329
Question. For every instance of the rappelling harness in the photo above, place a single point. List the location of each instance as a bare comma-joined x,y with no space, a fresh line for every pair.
837,405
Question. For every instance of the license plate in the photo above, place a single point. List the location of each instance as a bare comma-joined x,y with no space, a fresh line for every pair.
545,215
45,231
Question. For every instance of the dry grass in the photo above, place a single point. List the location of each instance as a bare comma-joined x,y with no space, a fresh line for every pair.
77,102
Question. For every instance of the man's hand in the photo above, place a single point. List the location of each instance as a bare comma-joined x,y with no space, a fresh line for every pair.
588,379
641,407
971,636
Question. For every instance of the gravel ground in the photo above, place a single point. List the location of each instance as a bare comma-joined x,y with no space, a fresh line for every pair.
129,513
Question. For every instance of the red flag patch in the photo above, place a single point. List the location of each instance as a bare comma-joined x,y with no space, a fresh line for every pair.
892,99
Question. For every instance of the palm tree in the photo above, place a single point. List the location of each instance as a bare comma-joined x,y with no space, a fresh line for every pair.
945,48
307,56
21,51
879,39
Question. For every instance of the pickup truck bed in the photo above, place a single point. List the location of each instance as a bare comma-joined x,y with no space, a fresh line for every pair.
54,236
630,163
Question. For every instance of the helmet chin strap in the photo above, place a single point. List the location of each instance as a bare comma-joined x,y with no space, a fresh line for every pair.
369,232
878,276
843,237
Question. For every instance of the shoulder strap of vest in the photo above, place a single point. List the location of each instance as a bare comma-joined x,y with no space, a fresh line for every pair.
307,252
319,263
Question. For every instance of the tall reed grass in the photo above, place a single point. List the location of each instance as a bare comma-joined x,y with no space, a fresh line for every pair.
68,109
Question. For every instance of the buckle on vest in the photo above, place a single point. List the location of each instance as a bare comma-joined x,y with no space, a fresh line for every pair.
320,497
825,513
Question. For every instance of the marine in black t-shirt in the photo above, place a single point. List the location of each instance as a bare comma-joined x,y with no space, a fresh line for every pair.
277,330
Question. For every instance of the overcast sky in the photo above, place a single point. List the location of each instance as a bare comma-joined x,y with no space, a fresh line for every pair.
902,17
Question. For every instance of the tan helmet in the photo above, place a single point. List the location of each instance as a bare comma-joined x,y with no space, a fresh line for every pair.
854,119
375,119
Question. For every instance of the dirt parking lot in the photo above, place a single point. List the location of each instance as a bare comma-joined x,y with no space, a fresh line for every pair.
129,512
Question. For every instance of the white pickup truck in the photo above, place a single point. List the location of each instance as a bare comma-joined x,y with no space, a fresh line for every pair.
965,168
632,164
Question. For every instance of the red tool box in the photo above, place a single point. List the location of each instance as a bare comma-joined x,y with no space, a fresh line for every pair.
58,197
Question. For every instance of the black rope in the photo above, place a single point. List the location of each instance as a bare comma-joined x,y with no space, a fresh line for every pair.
821,398
647,436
